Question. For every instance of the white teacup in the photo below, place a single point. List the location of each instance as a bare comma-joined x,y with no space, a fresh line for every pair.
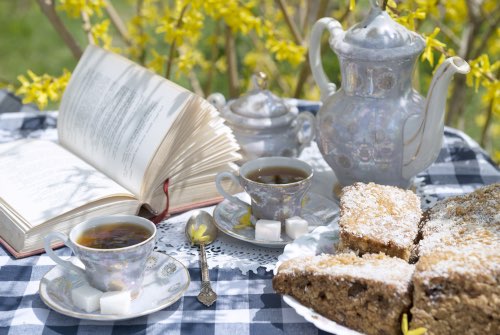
269,200
118,269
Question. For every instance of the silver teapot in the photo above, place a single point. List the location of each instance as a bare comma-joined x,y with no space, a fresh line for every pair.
377,127
265,125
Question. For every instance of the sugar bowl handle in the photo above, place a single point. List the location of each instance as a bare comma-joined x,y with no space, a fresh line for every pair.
305,129
326,87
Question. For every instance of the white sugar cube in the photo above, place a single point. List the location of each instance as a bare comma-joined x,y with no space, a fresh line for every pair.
115,302
86,297
267,230
296,227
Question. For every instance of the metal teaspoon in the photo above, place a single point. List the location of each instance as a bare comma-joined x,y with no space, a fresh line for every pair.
201,230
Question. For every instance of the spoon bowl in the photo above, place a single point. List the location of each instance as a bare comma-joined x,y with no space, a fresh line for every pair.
201,228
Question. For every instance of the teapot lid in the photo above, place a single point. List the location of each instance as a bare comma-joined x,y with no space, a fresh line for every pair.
259,108
378,32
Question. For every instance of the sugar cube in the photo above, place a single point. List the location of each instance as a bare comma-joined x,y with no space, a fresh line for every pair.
296,227
86,297
267,230
115,302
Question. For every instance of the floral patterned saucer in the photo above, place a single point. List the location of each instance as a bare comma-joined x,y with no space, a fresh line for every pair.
317,210
165,281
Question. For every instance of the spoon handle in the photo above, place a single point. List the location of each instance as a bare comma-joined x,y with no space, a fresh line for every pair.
207,296
203,263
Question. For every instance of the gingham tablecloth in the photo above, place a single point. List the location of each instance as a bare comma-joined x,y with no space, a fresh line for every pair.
246,302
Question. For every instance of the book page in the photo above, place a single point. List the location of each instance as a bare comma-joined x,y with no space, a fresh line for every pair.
40,180
114,114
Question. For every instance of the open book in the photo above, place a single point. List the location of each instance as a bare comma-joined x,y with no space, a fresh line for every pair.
123,131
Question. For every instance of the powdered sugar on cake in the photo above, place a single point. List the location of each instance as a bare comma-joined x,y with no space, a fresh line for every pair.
462,235
384,213
375,267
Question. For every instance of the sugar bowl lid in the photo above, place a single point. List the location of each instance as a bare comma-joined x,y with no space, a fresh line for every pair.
377,33
259,108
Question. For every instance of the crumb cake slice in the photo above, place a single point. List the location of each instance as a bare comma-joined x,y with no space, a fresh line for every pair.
368,294
376,218
457,278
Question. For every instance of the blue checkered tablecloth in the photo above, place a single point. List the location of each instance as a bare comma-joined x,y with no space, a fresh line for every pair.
246,302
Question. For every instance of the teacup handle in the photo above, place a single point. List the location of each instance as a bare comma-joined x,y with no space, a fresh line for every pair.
64,263
305,138
222,191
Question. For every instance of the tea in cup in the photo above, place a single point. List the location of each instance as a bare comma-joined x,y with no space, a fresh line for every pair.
276,186
114,250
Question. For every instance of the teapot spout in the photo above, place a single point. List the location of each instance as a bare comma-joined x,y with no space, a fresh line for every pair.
423,134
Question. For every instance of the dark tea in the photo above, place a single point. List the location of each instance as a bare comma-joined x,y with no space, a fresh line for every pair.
113,235
277,175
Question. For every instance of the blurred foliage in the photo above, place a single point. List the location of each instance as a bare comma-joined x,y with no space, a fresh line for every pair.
215,45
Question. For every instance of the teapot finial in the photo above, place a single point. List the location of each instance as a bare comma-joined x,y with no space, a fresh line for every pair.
260,80
374,4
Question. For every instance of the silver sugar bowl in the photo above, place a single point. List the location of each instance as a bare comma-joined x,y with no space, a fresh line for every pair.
265,125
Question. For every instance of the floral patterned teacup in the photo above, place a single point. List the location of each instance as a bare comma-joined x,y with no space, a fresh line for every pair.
270,201
118,269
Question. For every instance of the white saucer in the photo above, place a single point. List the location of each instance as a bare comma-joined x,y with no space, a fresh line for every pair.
165,281
317,210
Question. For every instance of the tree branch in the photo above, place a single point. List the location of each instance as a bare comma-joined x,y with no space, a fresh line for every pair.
195,84
140,28
456,110
174,43
47,7
305,71
491,28
489,120
290,23
214,53
231,64
487,123
117,21
384,5
447,31
87,27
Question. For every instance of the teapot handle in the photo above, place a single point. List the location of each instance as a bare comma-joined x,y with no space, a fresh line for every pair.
326,87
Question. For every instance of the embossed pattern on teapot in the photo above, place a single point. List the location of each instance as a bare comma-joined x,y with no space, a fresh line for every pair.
377,127
265,125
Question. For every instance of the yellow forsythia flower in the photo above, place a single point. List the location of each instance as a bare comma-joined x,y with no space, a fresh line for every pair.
480,67
431,43
100,33
157,63
404,327
245,221
198,235
42,89
286,51
74,8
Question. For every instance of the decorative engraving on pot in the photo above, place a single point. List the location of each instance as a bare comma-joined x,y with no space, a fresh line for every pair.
385,80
